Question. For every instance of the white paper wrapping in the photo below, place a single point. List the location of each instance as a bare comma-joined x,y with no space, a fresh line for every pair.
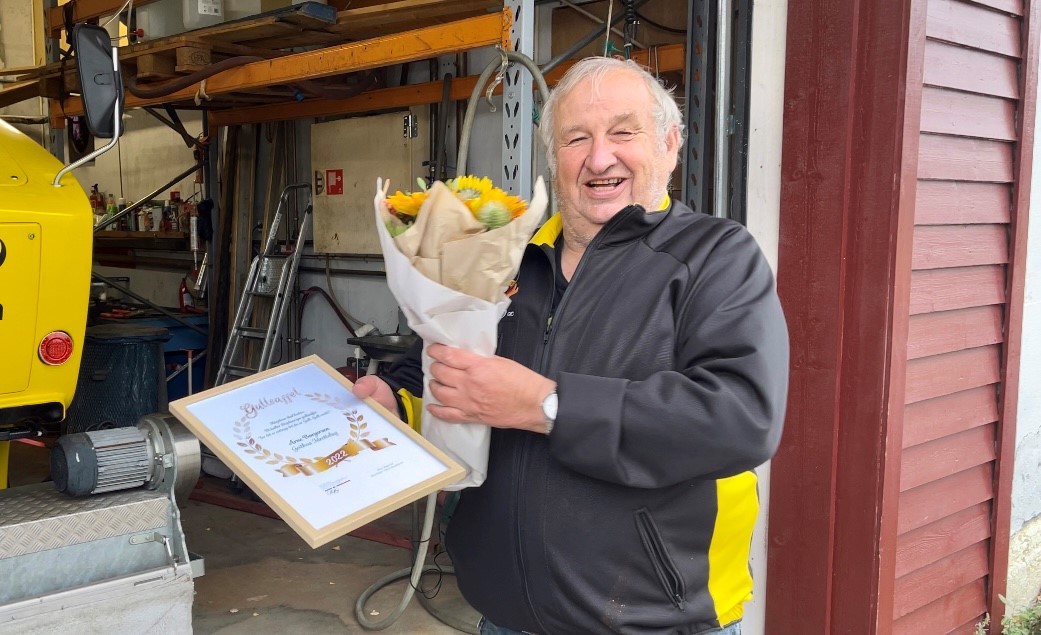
442,315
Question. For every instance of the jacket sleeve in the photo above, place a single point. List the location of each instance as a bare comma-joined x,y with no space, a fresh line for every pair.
718,413
405,378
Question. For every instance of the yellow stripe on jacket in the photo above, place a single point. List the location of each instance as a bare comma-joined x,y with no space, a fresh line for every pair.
412,407
729,580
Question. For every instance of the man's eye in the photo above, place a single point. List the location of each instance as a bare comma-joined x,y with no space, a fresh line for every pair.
575,140
624,134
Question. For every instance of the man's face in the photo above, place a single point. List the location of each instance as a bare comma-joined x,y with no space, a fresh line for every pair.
608,153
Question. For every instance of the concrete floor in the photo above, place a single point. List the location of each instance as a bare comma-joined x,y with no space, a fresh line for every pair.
261,578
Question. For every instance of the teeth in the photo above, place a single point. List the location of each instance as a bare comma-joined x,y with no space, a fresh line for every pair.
611,182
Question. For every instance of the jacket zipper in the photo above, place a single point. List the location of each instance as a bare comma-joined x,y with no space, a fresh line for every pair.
547,340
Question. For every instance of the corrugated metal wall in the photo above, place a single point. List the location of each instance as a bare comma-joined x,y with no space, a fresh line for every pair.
958,310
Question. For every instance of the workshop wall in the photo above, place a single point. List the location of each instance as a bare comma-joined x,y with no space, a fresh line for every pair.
146,156
17,50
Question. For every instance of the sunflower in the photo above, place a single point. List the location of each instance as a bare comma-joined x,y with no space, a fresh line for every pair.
406,204
496,208
468,188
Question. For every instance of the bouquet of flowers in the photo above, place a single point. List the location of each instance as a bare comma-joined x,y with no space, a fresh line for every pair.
451,251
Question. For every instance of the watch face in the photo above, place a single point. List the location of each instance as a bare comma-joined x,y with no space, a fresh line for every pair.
549,406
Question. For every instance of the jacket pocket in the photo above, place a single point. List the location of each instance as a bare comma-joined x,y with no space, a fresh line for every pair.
668,575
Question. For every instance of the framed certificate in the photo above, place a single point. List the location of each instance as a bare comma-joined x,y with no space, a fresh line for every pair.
324,460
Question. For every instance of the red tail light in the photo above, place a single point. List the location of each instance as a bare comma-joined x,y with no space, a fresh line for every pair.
56,348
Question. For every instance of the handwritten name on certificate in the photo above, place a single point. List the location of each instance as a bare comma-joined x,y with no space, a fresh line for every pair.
308,439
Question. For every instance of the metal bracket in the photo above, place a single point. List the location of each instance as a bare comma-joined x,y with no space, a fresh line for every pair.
410,126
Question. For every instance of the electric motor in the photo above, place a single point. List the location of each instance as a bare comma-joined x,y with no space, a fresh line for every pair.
159,453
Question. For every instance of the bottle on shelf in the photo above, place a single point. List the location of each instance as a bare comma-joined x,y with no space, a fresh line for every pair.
110,211
175,211
125,222
97,207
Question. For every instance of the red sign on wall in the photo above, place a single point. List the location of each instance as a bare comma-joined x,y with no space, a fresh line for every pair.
334,182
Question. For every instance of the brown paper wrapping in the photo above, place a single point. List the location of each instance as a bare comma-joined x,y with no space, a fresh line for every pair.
451,247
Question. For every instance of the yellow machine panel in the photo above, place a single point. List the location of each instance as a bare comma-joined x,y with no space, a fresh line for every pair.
19,282
47,234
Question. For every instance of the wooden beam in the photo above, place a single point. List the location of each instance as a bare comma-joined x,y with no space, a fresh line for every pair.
20,91
380,19
83,11
667,58
454,37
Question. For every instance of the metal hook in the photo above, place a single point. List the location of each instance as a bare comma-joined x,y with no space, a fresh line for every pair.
498,78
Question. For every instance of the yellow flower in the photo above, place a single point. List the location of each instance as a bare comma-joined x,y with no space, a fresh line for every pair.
469,187
490,205
406,203
498,198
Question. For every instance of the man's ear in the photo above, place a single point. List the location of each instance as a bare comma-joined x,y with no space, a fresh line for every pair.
672,145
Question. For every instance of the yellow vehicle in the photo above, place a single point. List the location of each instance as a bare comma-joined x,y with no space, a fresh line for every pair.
46,228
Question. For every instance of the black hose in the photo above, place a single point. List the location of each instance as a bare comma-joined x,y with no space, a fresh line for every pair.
162,89
307,293
660,26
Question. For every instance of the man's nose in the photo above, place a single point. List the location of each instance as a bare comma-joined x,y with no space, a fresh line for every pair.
601,155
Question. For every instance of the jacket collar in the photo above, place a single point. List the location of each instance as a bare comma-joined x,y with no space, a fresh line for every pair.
621,228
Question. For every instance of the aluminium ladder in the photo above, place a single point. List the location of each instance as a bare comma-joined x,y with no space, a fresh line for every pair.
270,276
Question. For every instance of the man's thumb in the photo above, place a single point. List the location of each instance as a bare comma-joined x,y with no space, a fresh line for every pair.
365,386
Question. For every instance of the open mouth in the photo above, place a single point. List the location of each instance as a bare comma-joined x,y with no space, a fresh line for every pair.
605,186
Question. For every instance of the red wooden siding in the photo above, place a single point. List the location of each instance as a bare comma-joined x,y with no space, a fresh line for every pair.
967,115
957,288
934,460
1008,6
942,246
928,584
959,203
943,615
974,26
904,190
950,414
948,331
947,536
959,307
951,66
934,501
958,159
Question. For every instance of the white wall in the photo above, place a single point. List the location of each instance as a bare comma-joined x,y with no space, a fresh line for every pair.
1024,579
769,24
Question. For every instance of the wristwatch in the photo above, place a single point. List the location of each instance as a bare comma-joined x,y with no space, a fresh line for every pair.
549,410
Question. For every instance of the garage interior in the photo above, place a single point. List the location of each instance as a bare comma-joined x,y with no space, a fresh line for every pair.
219,171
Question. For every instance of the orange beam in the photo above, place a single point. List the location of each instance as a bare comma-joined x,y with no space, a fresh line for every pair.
462,35
665,59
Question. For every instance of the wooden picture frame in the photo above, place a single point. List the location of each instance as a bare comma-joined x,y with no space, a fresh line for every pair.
325,461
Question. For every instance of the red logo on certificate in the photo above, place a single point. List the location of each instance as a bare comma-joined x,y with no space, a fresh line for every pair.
334,182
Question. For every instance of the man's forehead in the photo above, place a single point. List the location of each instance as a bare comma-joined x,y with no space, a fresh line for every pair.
614,119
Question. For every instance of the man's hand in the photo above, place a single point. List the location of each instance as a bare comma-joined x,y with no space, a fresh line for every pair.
373,386
491,390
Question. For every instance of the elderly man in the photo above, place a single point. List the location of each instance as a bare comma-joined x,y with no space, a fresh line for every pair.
640,376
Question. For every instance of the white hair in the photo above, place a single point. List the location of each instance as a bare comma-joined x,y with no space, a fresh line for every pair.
666,113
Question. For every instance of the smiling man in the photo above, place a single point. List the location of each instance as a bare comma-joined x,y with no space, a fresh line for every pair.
640,377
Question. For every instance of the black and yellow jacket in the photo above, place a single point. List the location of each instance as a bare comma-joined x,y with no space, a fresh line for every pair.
635,515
